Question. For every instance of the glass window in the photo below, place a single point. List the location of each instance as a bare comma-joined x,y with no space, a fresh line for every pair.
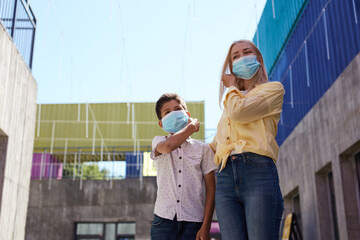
357,163
297,211
89,228
89,239
3,149
105,231
110,231
333,204
126,229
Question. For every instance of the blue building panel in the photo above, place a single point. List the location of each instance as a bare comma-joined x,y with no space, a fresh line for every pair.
134,162
323,43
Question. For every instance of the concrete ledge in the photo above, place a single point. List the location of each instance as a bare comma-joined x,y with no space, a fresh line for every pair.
17,120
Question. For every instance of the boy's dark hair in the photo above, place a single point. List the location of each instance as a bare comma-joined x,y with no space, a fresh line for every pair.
167,97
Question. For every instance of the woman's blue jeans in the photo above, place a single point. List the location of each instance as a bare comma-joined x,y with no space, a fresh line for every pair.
248,200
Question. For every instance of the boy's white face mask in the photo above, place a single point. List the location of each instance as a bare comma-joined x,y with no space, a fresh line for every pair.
175,121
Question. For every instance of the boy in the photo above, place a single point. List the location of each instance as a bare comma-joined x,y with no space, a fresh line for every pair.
182,164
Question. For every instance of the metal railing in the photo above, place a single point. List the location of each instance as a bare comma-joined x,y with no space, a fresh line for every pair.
87,165
18,19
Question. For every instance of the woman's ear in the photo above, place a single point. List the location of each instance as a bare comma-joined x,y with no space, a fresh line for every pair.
260,60
160,124
188,114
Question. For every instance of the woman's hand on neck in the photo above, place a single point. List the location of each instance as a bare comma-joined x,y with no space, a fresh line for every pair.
229,80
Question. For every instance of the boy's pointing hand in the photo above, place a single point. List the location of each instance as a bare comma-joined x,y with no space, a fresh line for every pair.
194,122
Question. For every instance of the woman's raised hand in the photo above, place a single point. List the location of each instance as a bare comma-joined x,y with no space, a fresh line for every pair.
229,80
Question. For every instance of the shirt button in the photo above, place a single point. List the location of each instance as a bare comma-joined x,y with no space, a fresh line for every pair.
228,124
179,157
179,185
178,201
227,138
179,171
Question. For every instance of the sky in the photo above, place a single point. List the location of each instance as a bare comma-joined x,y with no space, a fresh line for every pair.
136,50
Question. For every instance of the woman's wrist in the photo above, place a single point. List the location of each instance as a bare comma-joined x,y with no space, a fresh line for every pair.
229,80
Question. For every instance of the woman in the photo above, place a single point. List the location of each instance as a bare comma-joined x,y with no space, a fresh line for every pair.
248,199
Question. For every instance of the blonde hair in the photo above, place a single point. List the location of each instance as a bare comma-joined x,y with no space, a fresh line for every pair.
260,77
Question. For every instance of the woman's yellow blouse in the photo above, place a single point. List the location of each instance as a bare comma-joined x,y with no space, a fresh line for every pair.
249,122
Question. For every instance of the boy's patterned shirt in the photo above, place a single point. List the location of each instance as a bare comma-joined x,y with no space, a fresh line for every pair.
180,179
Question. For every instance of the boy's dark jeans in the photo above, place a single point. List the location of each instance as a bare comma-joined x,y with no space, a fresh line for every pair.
165,229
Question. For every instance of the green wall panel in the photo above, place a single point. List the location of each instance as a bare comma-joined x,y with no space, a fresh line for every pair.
72,125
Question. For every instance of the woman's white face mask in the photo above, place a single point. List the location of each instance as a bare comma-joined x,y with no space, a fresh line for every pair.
246,67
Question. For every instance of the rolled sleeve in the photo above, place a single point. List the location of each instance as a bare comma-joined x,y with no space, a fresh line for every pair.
266,102
207,164
155,142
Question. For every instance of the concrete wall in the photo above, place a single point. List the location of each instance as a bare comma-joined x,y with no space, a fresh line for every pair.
326,139
18,91
53,212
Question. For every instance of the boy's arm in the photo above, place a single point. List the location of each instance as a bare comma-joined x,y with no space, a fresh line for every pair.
175,140
203,233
